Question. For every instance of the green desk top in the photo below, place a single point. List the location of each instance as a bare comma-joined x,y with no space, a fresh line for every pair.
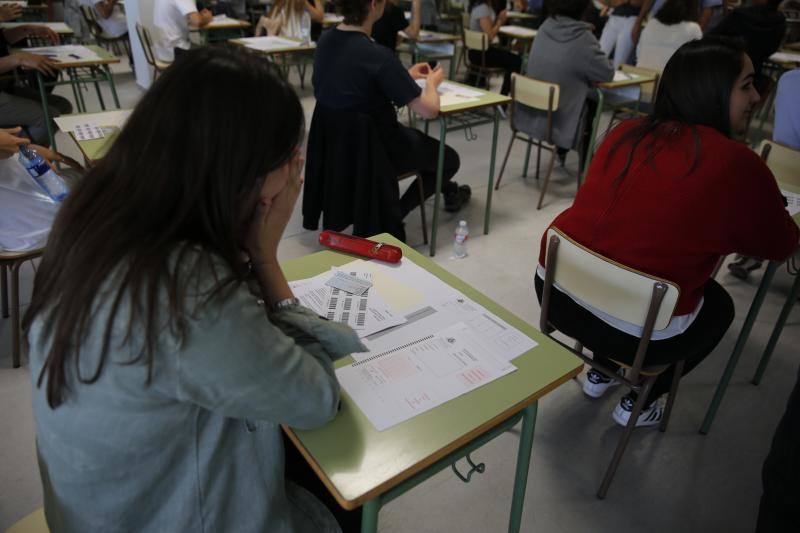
430,37
95,148
301,47
357,462
487,99
635,79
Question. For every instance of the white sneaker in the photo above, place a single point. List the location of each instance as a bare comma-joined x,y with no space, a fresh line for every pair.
596,384
650,416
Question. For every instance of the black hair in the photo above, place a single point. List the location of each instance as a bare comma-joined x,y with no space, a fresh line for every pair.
677,11
181,181
354,11
694,90
574,9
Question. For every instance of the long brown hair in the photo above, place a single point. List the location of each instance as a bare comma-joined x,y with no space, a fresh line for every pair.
175,184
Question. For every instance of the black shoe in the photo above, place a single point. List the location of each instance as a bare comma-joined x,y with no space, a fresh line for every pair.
456,197
742,267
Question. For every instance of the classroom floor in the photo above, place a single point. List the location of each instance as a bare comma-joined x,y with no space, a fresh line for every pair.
679,480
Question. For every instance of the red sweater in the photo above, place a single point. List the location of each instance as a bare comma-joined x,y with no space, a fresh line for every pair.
667,223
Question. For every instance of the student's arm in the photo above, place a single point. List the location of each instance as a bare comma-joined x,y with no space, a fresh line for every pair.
10,12
197,20
14,35
637,26
412,30
491,29
105,8
598,67
316,10
9,142
427,104
30,61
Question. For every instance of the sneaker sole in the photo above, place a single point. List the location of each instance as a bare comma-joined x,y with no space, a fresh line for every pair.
598,394
639,424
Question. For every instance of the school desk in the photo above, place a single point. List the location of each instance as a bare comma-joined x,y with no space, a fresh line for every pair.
361,466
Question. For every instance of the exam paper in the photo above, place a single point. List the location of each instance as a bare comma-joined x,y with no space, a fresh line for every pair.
67,53
87,131
399,384
792,202
452,94
270,42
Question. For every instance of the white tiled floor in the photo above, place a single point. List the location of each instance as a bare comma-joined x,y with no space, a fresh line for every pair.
667,482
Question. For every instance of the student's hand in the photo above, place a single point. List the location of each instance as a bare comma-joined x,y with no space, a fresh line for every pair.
435,76
502,17
273,209
206,16
10,12
9,142
43,64
419,71
42,32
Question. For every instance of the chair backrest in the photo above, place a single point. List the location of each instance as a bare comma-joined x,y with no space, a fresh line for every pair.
784,162
615,289
33,523
91,21
475,40
147,47
648,90
540,95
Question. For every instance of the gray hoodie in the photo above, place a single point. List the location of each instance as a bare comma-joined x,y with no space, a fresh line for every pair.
564,52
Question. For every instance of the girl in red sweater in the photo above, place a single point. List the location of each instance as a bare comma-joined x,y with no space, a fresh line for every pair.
669,195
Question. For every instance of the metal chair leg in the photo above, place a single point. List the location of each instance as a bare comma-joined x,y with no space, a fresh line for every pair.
626,435
776,332
4,289
538,156
505,160
421,190
546,181
15,314
673,391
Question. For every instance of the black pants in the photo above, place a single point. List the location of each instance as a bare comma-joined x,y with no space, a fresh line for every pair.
606,341
298,470
412,150
499,58
779,510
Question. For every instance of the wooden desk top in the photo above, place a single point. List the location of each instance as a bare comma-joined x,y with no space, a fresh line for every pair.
520,15
104,58
786,57
518,32
59,27
633,79
487,99
426,36
225,24
356,462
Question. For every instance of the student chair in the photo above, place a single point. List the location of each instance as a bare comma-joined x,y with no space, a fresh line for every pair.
647,97
33,523
477,41
623,293
12,261
349,178
147,47
103,39
542,96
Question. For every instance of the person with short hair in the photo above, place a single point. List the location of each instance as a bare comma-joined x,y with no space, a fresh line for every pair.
668,195
173,19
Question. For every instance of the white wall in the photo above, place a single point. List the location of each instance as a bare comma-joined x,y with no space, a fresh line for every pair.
140,11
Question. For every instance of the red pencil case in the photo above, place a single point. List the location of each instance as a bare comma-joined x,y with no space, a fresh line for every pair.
360,246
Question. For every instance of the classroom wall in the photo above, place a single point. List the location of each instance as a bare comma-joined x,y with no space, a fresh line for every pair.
140,11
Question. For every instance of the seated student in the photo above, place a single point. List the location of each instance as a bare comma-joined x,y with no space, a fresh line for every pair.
674,24
291,18
352,72
167,352
482,17
668,195
385,29
109,15
787,110
617,36
565,52
761,26
21,104
172,20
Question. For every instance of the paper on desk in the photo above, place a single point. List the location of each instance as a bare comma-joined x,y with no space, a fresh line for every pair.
785,57
622,76
792,202
66,53
397,385
270,42
452,94
518,31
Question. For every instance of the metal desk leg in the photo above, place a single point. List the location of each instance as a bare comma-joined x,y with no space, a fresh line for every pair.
758,299
595,125
110,78
523,463
488,214
527,160
437,195
453,65
369,515
776,332
45,110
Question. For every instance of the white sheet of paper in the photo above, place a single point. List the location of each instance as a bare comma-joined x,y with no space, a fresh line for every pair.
451,94
349,283
66,53
785,57
270,42
622,76
792,202
520,31
395,386
87,131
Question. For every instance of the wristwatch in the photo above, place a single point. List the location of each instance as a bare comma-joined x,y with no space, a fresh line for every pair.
283,304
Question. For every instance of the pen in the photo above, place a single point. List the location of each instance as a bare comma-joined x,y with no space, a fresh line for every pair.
76,56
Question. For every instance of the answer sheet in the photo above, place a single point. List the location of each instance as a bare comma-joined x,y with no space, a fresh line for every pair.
792,202
66,53
452,94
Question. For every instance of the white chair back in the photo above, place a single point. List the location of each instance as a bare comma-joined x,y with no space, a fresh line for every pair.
784,162
535,93
475,40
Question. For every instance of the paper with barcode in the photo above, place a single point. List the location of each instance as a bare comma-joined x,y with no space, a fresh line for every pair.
792,202
87,132
349,283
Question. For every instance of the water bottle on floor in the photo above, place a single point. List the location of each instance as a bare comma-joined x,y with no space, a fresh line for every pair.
50,182
460,240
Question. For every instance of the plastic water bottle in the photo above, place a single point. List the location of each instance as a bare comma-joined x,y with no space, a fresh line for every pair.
460,240
50,182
